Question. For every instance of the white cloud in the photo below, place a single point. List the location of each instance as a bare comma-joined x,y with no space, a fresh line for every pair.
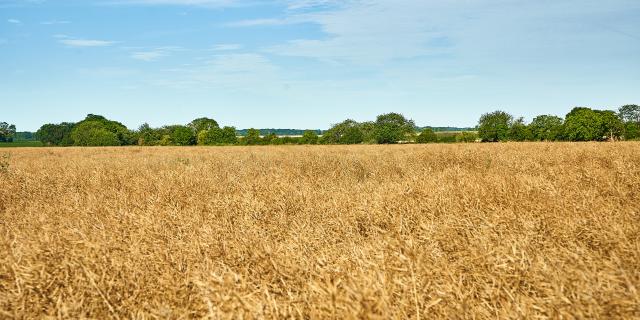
53,22
14,21
258,22
85,42
226,47
208,3
155,54
241,72
148,55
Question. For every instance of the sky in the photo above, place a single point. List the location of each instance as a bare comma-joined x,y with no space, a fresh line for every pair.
312,63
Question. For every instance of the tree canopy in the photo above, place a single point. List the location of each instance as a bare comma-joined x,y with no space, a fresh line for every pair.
494,126
7,132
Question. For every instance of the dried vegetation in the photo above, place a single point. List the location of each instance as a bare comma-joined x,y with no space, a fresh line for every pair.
516,230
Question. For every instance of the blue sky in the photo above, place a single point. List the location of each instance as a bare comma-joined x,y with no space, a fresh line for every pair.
310,63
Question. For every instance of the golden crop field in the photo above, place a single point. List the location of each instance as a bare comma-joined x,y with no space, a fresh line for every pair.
512,230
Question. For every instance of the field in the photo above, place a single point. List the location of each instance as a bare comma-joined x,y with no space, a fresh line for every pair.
20,144
511,230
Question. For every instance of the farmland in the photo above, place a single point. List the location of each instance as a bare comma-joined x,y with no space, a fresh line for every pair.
521,230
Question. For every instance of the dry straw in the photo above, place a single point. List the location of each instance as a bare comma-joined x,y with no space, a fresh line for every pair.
484,231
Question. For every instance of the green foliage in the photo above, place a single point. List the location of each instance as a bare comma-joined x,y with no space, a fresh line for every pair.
632,131
309,137
148,136
56,134
392,128
201,124
466,136
368,130
546,128
7,132
612,127
270,138
584,124
519,131
93,133
427,136
218,136
494,126
252,137
180,135
345,132
630,113
21,143
98,123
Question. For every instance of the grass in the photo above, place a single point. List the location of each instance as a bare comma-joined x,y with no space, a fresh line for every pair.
20,144
485,231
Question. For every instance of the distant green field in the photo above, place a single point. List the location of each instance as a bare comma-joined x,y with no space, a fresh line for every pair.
19,144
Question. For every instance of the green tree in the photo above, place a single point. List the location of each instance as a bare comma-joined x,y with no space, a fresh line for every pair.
519,131
7,132
368,130
270,138
612,127
631,130
124,135
309,137
147,136
427,136
93,133
584,124
345,132
630,113
181,135
546,128
56,134
201,124
229,135
252,137
392,128
494,126
466,136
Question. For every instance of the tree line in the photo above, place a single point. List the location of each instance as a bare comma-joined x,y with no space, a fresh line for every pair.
580,124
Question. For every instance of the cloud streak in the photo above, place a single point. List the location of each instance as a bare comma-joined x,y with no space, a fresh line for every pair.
80,43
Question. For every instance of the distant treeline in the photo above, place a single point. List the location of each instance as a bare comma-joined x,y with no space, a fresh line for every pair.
581,124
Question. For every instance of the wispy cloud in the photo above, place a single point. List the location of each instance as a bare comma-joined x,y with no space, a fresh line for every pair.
14,21
86,42
155,54
53,22
209,3
259,22
226,47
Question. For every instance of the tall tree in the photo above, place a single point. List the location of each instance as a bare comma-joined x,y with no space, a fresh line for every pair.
393,127
252,137
7,132
546,128
494,126
345,132
200,124
519,131
630,113
56,134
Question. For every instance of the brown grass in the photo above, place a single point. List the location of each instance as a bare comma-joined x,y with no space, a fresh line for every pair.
529,230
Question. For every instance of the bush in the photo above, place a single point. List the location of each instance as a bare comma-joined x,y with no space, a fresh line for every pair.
93,133
427,136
